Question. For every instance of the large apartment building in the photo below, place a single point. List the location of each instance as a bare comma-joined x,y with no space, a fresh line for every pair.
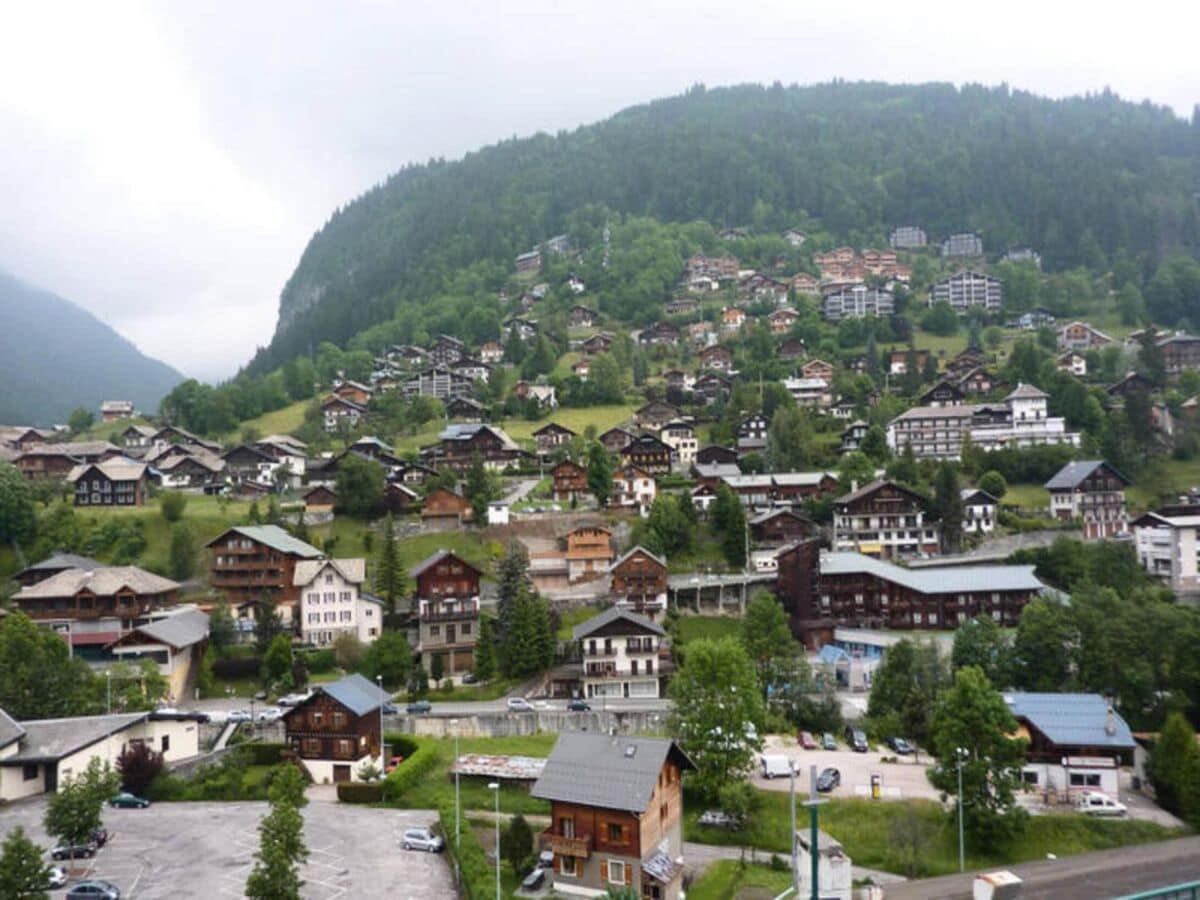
965,243
856,302
252,562
907,237
1168,546
966,290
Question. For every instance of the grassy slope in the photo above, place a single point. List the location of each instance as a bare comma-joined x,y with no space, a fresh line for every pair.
724,879
279,421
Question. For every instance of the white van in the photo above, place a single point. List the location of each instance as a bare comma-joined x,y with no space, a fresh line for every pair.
1093,803
777,766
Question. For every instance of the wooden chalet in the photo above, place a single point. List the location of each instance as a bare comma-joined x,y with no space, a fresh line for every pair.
447,593
249,562
459,444
639,580
570,481
648,453
96,592
655,414
615,440
552,435
445,509
716,358
320,500
337,729
114,482
779,527
597,343
57,460
714,454
791,349
354,391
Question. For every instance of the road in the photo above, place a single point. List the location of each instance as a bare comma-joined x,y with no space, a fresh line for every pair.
520,490
457,708
1107,873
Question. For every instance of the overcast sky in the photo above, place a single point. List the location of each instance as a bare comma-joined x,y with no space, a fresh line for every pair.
163,165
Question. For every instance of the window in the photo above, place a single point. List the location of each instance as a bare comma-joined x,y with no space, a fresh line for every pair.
615,834
166,743
311,747
345,596
329,579
616,871
338,720
435,630
28,773
1085,779
316,719
344,748
566,866
465,628
1029,777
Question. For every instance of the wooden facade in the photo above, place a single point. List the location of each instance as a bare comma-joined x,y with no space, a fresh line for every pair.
552,435
122,484
779,527
323,729
445,508
245,569
640,577
570,481
648,453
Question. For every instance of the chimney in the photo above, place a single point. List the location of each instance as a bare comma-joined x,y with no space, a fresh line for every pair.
1110,722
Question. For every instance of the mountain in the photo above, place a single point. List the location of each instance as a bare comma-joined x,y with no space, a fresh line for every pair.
1080,179
55,357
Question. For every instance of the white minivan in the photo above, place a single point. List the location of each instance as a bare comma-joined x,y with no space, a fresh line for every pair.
777,766
1093,803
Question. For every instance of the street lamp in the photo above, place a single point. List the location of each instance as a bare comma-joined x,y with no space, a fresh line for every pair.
495,787
379,681
960,754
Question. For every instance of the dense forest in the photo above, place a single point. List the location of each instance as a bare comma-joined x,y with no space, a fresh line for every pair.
1084,180
55,357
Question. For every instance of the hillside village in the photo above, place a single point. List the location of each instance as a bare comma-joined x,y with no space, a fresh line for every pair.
884,471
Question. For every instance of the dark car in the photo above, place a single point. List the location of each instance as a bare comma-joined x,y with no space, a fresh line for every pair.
94,890
469,678
389,709
900,745
125,800
828,780
419,706
857,739
534,879
578,704
73,851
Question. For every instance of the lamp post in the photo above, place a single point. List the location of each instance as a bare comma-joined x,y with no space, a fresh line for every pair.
382,703
494,786
960,754
454,724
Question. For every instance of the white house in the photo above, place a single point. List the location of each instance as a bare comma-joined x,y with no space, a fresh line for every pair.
36,756
634,487
979,511
333,603
620,654
680,436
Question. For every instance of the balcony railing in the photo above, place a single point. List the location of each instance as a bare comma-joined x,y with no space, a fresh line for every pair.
561,845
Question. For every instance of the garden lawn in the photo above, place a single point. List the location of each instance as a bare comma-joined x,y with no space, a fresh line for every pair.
725,879
1163,480
470,545
694,627
492,690
1028,497
436,789
575,616
869,831
521,430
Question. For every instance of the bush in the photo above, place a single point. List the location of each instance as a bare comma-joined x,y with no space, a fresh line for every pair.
476,873
360,792
319,661
237,667
264,754
406,776
402,744
172,504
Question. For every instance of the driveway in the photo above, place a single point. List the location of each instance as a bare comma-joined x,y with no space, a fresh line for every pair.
903,780
206,850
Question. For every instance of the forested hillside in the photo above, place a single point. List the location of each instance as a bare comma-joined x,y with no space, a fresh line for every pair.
1083,180
55,357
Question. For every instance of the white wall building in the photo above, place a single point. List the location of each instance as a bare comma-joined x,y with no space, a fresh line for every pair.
1168,548
332,601
681,438
620,654
965,290
979,511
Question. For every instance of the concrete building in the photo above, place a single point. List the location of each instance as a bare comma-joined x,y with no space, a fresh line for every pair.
884,520
856,302
907,237
835,878
967,290
333,602
966,243
1168,547
620,653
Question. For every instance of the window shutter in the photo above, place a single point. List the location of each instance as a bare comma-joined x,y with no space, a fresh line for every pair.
628,873
604,870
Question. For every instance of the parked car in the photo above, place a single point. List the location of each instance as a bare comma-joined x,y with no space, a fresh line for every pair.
534,879
126,800
828,780
94,890
900,745
857,739
716,818
805,740
56,877
238,715
469,678
519,704
419,706
271,714
828,741
777,766
422,839
260,695
73,851
294,699
216,716
578,704
99,837
1093,803
390,709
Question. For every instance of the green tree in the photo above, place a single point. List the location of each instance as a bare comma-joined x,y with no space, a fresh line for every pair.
904,690
276,874
389,656
667,531
268,624
1169,759
73,812
360,484
512,583
16,505
874,445
181,557
790,441
222,630
516,843
768,638
994,483
973,720
947,506
981,643
716,695
278,660
288,786
599,474
480,488
1045,647
389,568
172,505
80,420
436,667
138,765
39,678
485,650
23,874
854,468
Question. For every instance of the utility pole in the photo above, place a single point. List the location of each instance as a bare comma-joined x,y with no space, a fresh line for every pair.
959,754
813,833
795,861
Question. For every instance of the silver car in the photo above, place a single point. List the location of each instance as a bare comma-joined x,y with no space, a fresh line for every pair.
422,839
519,704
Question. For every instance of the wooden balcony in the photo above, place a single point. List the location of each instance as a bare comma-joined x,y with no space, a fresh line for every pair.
566,846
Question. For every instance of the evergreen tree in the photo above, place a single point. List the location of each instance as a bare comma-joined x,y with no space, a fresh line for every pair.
389,568
513,581
479,488
874,445
485,650
599,474
1169,761
947,506
181,560
267,624
23,875
17,518
222,630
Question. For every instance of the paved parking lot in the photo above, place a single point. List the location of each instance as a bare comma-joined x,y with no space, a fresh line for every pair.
903,780
206,850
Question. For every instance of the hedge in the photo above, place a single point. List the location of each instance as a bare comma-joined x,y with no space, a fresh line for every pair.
360,791
264,754
405,776
318,661
477,876
237,667
402,744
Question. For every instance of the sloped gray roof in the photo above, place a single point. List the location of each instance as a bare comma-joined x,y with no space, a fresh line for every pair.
612,614
632,550
1025,391
935,579
103,581
609,772
49,740
1071,720
356,693
275,538
60,561
1074,472
10,730
183,629
435,557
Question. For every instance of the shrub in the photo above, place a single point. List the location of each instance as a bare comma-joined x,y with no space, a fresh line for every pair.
404,777
476,874
172,504
237,667
360,792
319,661
139,764
264,754
402,744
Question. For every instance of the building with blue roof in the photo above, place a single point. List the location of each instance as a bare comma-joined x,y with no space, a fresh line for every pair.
1077,742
